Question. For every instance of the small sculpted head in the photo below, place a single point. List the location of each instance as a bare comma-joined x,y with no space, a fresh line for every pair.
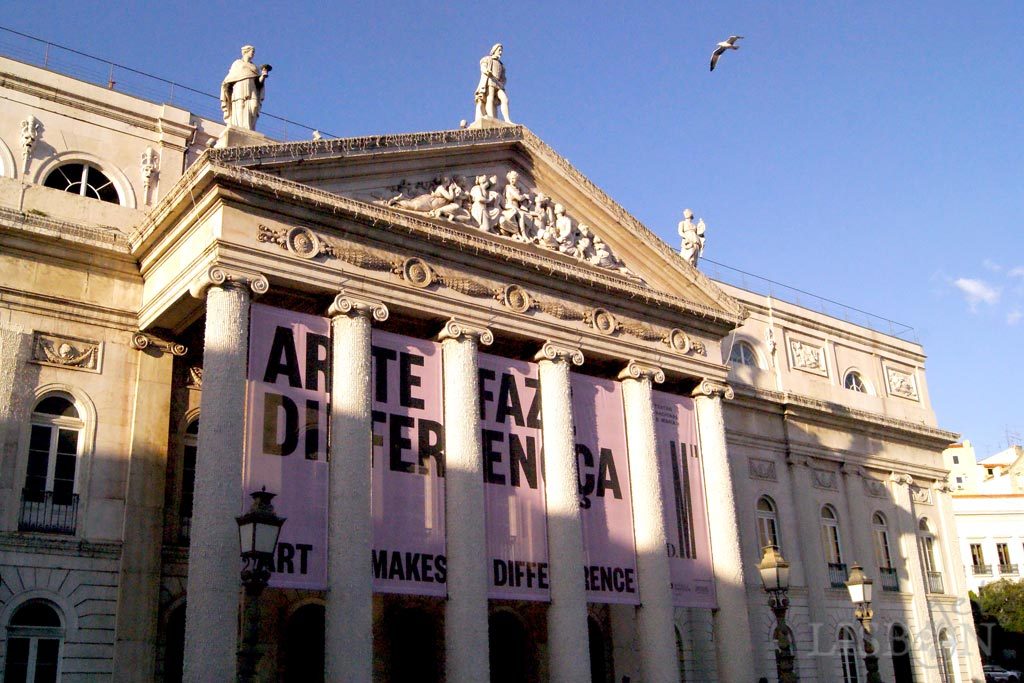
559,209
248,52
687,214
496,50
512,177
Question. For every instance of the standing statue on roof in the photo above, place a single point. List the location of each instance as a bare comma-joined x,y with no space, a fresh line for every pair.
241,92
491,89
692,246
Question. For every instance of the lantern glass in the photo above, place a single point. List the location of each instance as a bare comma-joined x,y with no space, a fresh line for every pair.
265,537
245,537
774,570
859,586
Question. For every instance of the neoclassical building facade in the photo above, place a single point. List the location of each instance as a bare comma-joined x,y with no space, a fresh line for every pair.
515,435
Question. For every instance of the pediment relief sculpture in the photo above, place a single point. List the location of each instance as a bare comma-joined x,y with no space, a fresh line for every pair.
510,211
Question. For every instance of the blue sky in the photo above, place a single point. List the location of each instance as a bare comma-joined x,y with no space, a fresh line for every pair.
869,152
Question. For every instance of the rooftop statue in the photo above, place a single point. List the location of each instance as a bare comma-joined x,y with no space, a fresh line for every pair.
692,246
241,92
491,89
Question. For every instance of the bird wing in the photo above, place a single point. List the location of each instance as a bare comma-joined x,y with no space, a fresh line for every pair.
715,55
732,39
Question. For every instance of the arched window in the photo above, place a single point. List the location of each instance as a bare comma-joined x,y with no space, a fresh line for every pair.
926,543
34,637
190,447
510,648
50,495
743,354
304,645
903,673
832,547
599,654
946,645
767,524
83,179
883,552
855,382
847,643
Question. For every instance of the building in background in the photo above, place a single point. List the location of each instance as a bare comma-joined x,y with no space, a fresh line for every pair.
458,264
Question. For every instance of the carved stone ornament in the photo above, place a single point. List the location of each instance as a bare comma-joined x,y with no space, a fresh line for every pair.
460,329
553,351
698,347
901,383
874,487
195,377
762,469
30,130
637,370
824,479
517,299
807,357
149,167
141,342
942,486
713,389
512,212
902,479
355,305
227,276
417,272
921,494
678,340
603,321
67,352
298,241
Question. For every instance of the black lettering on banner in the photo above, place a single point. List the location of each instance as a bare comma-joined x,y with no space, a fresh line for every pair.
379,559
396,570
407,380
285,558
431,445
520,573
489,437
441,567
607,477
394,565
318,361
283,344
412,567
312,432
601,579
304,550
398,442
587,483
272,445
533,417
508,401
525,460
486,395
381,356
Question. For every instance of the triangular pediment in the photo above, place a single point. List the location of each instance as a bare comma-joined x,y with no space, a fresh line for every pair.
503,181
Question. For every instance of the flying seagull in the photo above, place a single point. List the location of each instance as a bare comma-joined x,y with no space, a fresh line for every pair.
728,44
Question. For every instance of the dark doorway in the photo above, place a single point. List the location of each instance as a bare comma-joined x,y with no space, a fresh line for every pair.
415,646
304,645
901,655
509,648
174,650
599,652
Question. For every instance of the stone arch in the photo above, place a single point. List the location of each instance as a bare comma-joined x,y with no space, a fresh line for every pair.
125,191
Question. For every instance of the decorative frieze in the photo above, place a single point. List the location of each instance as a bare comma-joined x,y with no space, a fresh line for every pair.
921,494
808,357
874,487
824,479
67,352
758,468
901,382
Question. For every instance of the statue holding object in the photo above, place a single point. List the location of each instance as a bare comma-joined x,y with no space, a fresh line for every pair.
490,91
241,92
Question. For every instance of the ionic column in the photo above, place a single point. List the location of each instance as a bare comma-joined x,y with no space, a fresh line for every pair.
211,631
466,653
138,584
567,615
659,661
348,640
733,643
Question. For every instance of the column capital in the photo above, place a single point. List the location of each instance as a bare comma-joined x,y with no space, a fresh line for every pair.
713,389
901,478
636,370
942,486
141,341
554,351
353,305
461,329
218,275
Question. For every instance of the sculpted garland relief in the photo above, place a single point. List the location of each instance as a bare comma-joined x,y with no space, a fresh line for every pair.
512,212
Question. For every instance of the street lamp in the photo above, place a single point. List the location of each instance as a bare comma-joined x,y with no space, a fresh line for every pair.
258,530
775,579
860,587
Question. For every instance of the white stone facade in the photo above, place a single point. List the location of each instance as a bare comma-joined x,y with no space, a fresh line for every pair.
134,311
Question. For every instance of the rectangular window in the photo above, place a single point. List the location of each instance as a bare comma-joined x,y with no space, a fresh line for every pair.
956,459
882,555
977,555
1003,551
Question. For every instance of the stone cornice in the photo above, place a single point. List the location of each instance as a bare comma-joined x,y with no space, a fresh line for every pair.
554,351
47,544
218,275
348,304
642,371
143,341
713,389
41,226
835,413
459,329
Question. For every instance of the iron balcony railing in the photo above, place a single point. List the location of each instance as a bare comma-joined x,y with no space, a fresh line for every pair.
1008,569
935,582
837,574
48,512
890,579
981,569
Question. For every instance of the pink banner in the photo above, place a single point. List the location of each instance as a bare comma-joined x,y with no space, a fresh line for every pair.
682,486
517,548
408,467
606,507
286,429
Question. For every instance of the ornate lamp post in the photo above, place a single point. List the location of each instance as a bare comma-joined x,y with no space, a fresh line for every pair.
775,580
860,588
258,530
